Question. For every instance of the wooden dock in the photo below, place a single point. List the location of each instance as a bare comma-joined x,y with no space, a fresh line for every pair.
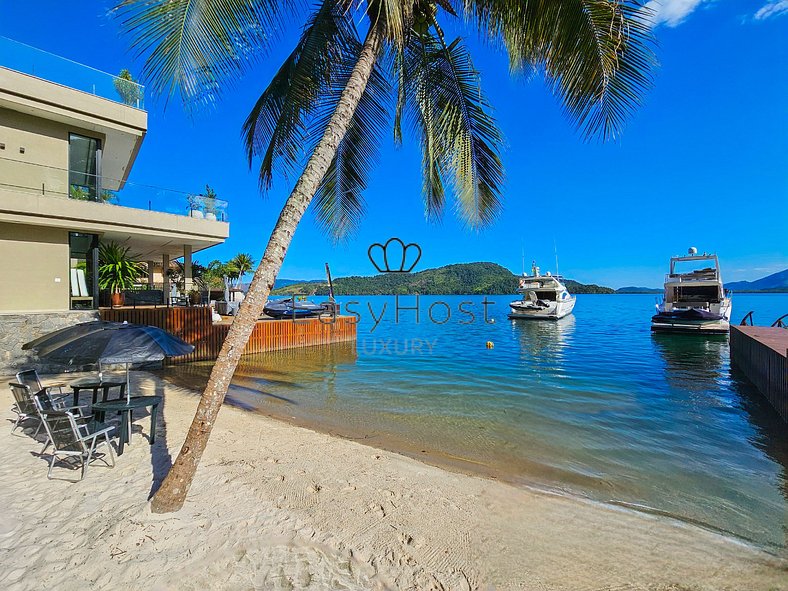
194,325
762,354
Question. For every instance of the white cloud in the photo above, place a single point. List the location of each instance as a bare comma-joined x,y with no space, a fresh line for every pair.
771,9
673,12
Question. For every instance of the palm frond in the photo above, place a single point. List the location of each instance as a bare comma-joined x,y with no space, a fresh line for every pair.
196,47
460,139
277,125
597,55
339,201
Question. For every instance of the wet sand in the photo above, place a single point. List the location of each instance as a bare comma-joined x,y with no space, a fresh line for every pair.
275,506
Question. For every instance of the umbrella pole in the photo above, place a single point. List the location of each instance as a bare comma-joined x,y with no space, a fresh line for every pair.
128,385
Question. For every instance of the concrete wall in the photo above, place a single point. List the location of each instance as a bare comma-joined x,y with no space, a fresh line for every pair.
35,268
18,329
34,156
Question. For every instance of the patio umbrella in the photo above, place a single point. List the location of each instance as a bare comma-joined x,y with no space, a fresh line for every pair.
108,342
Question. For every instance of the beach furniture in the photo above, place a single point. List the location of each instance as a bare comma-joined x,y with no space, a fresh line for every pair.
32,404
29,377
94,385
23,407
72,437
125,407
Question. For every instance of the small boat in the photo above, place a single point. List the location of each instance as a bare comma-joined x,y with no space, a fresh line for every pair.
544,297
288,308
695,300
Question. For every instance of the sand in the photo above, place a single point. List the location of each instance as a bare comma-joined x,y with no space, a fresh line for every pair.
275,506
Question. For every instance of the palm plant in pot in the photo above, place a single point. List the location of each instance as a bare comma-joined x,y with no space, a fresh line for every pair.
118,270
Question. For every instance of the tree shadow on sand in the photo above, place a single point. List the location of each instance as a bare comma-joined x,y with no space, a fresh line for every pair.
160,457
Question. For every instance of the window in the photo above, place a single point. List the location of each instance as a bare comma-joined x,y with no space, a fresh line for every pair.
83,270
84,167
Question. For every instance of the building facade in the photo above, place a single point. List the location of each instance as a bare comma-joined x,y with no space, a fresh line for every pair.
69,136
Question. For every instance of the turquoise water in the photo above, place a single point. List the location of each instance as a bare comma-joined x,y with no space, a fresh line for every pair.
593,404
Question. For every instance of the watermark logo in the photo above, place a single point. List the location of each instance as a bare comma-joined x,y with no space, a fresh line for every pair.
394,256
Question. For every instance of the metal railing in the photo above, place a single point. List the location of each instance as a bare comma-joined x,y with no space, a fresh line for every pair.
38,179
779,323
54,68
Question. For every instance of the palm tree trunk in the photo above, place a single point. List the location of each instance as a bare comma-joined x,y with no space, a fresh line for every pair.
172,494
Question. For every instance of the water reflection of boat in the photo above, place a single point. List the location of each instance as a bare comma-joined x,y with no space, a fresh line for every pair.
690,365
544,339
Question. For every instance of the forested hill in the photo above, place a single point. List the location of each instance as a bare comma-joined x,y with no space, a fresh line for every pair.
462,279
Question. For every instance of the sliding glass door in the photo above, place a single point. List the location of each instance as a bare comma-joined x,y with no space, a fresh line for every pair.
83,270
84,167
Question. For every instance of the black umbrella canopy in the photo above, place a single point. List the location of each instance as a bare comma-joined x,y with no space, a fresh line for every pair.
108,342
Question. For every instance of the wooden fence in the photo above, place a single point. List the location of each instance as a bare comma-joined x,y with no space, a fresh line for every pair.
194,325
761,354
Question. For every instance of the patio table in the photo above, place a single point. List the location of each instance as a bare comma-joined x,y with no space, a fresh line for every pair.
124,408
95,385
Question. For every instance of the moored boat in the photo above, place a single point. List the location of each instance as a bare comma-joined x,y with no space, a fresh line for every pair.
695,299
544,297
292,308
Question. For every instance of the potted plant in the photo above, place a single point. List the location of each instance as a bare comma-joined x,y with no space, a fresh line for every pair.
117,270
195,205
129,91
209,202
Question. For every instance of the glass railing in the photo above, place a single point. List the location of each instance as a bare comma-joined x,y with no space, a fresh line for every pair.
54,68
36,179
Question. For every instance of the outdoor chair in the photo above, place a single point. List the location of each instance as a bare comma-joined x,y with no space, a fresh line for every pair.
29,377
29,406
24,407
71,437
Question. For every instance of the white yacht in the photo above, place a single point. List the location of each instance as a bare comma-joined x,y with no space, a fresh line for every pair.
544,297
695,299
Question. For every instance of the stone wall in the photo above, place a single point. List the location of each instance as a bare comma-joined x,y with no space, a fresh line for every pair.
18,329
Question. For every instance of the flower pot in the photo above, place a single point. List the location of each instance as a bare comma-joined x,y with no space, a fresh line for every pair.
116,300
210,216
196,213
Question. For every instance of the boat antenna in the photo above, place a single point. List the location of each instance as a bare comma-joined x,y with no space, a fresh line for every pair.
522,248
330,284
555,249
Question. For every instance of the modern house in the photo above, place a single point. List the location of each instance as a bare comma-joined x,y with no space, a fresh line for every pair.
69,136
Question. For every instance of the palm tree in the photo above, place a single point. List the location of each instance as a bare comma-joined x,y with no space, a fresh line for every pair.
243,263
331,94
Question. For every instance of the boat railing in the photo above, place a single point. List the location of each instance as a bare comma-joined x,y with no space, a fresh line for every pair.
691,278
779,322
747,320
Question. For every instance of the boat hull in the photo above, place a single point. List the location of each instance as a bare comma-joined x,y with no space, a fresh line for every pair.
526,311
716,327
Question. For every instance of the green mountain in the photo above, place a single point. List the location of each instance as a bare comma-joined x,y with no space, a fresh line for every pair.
776,282
461,279
633,289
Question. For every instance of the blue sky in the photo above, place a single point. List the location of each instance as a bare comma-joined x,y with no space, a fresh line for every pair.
704,163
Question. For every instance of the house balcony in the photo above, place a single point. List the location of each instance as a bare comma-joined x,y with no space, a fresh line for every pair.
152,221
55,69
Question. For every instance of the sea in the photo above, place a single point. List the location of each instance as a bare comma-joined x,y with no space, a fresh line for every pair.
593,405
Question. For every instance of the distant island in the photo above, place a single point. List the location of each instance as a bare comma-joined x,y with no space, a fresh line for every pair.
632,289
460,279
774,283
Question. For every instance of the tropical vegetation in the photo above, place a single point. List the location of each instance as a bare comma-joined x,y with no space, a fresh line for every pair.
461,279
322,117
127,88
117,268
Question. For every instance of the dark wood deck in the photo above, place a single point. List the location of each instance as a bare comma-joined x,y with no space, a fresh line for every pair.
762,354
194,325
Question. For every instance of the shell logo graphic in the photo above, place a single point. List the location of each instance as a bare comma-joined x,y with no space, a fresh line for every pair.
394,256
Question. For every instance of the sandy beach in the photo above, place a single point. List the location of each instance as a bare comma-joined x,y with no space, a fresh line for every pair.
275,506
